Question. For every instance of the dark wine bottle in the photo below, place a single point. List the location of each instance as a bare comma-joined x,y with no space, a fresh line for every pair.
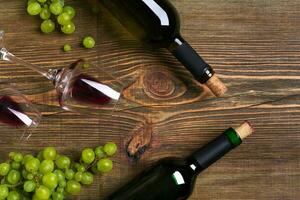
156,22
173,178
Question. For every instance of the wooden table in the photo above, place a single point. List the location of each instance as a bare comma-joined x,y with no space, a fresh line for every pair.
254,47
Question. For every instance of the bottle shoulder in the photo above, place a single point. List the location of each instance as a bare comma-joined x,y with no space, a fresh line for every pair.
165,21
155,22
177,165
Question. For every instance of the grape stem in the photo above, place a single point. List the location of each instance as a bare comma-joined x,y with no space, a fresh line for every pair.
13,186
93,163
36,178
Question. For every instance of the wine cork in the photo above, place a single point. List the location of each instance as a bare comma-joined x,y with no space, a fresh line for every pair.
244,130
216,86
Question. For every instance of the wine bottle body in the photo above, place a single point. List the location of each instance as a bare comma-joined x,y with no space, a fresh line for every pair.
169,179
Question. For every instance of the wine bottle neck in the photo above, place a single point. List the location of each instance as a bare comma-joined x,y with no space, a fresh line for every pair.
214,150
190,59
176,42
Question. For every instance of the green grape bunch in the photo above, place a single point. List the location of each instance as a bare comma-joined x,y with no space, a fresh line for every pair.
53,13
50,175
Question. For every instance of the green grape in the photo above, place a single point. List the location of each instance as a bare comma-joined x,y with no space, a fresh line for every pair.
78,176
80,168
69,173
85,65
42,1
110,148
13,177
56,8
39,175
70,10
62,2
45,13
11,155
60,175
50,181
30,176
24,173
29,186
3,191
73,187
30,1
15,165
94,169
62,184
14,195
34,197
60,189
63,162
57,196
26,158
64,18
40,156
99,152
87,178
88,42
49,153
47,26
57,156
32,165
4,169
18,157
34,8
88,156
25,198
104,165
67,47
76,165
68,28
42,193
46,166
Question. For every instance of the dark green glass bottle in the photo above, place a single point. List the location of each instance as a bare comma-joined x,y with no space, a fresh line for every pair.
157,23
174,179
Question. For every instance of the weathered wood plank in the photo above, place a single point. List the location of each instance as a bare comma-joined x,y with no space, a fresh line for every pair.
253,45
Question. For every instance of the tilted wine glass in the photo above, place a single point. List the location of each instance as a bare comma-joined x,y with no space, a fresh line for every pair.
17,114
77,91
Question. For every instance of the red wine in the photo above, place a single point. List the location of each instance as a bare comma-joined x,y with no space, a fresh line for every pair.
89,90
11,113
157,23
174,178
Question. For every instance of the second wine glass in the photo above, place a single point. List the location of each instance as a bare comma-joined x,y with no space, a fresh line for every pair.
18,117
77,90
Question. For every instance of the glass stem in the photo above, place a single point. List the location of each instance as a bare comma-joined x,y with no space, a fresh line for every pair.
7,56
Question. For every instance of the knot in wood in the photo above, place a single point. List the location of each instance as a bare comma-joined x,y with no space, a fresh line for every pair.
158,84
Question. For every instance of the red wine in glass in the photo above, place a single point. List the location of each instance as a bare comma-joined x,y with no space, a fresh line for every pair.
12,114
89,90
17,114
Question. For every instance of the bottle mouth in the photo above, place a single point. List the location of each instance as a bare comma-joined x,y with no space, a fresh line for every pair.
216,86
244,130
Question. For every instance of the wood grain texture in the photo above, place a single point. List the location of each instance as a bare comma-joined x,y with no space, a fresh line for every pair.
254,45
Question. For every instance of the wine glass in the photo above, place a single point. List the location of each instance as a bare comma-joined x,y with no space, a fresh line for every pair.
77,91
17,114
